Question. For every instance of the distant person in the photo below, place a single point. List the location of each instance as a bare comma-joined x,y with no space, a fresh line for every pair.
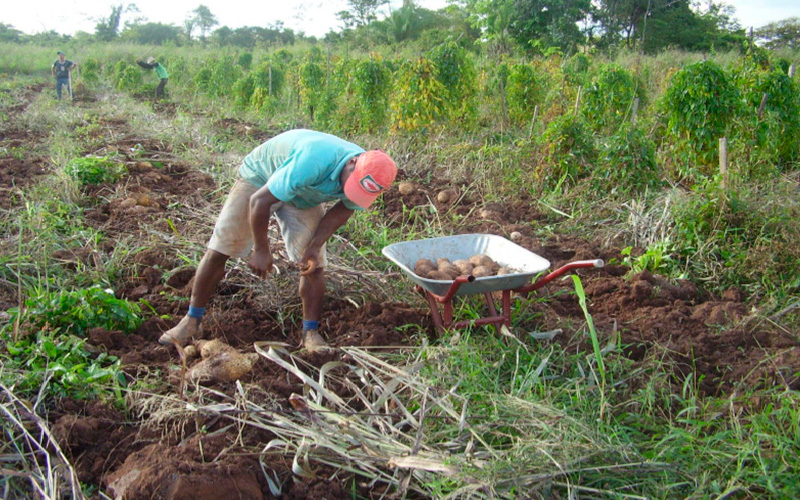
61,69
161,71
291,176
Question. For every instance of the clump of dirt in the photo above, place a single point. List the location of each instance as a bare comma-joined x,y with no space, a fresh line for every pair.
204,467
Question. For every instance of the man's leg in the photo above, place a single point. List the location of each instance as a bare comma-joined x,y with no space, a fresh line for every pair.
312,293
297,228
209,273
59,83
231,237
160,88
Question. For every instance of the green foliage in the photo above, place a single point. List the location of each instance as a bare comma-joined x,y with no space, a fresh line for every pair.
218,76
95,169
700,105
245,60
312,82
627,163
418,99
740,237
50,345
77,311
525,89
608,100
90,70
571,152
656,258
62,359
576,69
781,125
372,81
128,78
456,72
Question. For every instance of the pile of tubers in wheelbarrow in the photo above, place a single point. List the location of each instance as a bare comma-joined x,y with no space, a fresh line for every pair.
479,265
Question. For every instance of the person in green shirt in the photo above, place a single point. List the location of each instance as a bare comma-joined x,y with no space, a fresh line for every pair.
161,71
291,176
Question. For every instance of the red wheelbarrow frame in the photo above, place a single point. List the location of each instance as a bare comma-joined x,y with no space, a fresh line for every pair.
444,320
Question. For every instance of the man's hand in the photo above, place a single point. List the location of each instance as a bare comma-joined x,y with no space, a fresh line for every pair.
260,262
310,261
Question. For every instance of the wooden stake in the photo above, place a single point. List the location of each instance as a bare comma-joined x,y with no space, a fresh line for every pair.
635,110
791,71
578,100
533,120
762,106
723,160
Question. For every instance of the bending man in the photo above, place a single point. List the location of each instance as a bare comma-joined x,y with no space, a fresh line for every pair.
161,71
290,176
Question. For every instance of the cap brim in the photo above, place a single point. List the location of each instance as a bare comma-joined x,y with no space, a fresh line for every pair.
356,194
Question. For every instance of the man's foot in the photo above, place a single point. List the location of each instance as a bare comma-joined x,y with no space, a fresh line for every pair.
181,333
313,341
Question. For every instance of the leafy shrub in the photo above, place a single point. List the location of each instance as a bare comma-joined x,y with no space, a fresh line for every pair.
312,82
90,70
456,72
372,81
524,90
245,60
700,105
95,170
608,99
627,163
77,311
781,125
74,371
129,78
571,151
576,69
418,98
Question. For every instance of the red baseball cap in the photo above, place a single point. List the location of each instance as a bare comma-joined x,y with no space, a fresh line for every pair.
375,171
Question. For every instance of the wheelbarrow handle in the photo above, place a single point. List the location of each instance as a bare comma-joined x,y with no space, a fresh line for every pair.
578,264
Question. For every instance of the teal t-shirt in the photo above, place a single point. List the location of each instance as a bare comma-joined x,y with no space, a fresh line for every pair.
301,167
161,71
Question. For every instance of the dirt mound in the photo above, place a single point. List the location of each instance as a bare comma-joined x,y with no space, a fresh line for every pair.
205,467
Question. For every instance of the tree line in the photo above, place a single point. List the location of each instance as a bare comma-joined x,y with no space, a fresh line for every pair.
502,26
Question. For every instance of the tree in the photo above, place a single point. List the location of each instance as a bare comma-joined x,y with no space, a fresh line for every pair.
361,12
551,22
9,34
107,28
785,33
203,19
152,34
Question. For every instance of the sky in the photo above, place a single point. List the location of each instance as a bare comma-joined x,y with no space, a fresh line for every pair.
312,17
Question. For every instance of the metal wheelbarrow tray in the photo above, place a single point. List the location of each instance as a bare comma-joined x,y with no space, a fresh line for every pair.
525,263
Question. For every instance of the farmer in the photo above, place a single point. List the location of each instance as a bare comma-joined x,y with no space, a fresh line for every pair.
161,71
61,69
290,176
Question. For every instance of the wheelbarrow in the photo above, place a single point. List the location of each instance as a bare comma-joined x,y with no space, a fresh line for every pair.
524,264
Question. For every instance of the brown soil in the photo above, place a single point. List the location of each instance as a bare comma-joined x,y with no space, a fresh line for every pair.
696,332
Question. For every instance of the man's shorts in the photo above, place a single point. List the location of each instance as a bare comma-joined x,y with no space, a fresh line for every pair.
233,236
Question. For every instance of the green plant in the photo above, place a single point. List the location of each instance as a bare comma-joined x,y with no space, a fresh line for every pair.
657,258
608,100
372,82
700,105
95,170
63,360
77,311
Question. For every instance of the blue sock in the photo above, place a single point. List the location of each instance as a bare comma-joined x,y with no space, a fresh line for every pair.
196,312
310,325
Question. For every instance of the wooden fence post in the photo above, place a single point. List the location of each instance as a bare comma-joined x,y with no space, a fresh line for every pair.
533,120
723,161
762,106
635,111
578,99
